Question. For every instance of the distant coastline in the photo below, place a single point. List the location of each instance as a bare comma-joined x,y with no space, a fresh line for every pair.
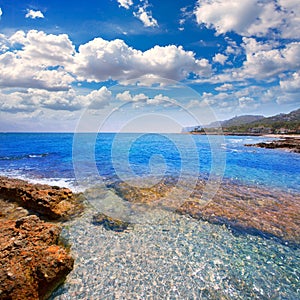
287,142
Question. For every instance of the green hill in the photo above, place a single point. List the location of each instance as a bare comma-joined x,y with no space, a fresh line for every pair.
282,123
256,124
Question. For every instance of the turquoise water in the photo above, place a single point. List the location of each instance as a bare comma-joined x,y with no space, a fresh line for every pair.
164,255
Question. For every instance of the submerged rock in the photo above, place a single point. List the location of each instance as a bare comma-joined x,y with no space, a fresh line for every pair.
252,210
32,263
48,201
244,208
110,223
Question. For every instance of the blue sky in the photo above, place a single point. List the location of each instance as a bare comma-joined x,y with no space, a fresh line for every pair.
67,62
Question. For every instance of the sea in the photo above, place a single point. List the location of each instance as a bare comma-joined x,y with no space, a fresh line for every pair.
165,255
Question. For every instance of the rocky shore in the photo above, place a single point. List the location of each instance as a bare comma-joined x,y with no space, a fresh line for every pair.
33,261
49,202
291,144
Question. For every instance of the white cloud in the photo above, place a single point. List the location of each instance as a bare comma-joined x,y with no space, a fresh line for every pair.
47,61
291,84
35,99
247,102
98,99
127,97
251,17
265,62
0,13
141,98
224,87
125,3
48,49
100,60
220,58
34,14
4,43
39,63
16,102
146,17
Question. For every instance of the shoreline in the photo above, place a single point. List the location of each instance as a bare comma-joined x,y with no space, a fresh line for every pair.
277,135
286,143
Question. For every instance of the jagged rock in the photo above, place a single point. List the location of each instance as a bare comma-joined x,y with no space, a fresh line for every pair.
110,223
49,201
32,263
288,143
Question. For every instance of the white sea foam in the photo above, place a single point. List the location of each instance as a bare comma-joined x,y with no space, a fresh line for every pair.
69,183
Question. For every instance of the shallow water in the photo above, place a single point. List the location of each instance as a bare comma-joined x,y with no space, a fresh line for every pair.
168,256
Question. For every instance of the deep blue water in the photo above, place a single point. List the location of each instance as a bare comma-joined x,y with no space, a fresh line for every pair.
52,156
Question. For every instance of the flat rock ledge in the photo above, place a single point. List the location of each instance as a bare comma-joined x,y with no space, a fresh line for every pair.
32,263
49,202
245,209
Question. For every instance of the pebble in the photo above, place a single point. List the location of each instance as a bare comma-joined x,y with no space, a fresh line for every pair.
181,262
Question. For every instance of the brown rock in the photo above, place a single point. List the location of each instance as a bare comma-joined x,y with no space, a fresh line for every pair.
252,210
110,223
50,202
289,143
249,209
32,263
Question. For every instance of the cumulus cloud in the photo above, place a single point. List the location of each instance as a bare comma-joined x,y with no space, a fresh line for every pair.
220,58
291,84
125,3
145,15
98,99
159,99
34,14
247,102
16,102
47,61
224,87
35,99
39,63
251,17
263,61
0,13
100,60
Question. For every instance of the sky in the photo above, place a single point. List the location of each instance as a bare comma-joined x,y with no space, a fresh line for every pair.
146,65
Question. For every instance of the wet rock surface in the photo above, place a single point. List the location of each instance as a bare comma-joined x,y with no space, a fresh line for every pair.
248,209
32,263
288,143
49,202
110,223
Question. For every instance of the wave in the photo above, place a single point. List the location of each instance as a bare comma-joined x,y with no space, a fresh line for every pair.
69,183
19,157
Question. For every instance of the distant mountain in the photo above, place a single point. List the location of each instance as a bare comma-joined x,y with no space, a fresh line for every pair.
281,123
241,120
290,117
236,121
